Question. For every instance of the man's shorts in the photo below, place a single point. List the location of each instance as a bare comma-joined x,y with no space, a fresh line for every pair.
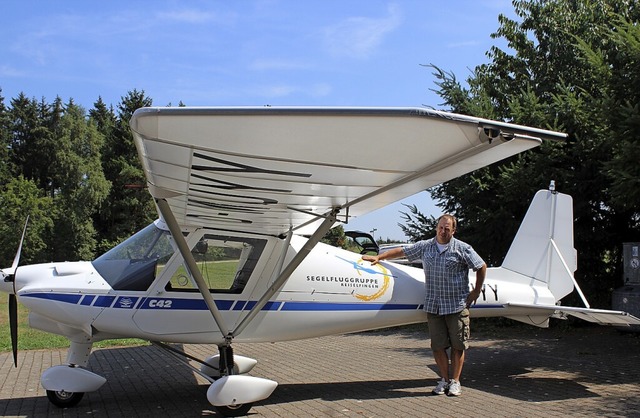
449,330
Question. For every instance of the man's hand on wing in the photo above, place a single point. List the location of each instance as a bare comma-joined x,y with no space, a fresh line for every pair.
374,259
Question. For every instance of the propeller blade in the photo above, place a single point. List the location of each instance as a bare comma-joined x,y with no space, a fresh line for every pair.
13,326
9,276
17,259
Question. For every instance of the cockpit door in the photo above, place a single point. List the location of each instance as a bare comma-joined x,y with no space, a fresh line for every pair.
174,304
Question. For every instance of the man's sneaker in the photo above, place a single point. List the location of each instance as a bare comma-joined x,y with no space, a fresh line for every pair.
454,388
441,388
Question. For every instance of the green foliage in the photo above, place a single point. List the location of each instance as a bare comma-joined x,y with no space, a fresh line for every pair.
129,206
20,198
5,139
417,226
83,187
103,117
23,140
57,165
618,96
335,237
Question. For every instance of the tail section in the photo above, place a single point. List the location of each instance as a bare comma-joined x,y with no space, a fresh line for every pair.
543,247
543,250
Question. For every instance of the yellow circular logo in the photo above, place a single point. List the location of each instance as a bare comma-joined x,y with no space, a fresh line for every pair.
383,288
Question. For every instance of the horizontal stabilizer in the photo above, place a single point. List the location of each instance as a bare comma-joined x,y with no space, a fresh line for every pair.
598,316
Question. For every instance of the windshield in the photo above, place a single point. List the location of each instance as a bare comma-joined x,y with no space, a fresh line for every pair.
132,264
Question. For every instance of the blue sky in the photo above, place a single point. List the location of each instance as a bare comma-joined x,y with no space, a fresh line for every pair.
247,52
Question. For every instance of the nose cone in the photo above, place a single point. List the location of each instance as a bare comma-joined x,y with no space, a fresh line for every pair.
6,281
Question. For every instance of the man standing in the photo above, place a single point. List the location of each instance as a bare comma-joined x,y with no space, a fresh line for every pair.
446,262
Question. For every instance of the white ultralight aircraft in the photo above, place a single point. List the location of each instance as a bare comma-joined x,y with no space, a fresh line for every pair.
244,197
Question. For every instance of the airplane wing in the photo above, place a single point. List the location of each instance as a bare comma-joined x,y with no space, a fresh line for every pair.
598,316
268,169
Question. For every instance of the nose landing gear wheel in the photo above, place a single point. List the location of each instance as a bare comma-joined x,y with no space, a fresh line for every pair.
235,410
64,399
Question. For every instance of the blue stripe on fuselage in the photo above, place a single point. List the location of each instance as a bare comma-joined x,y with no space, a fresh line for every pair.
105,301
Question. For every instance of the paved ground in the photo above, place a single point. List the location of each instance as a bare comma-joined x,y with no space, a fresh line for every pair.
514,372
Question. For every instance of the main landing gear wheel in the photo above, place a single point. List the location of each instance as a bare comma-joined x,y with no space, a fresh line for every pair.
64,399
235,410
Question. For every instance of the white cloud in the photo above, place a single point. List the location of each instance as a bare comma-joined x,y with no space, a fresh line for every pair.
193,16
358,37
8,71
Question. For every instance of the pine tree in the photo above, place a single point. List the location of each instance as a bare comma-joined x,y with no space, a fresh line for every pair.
544,80
6,166
130,206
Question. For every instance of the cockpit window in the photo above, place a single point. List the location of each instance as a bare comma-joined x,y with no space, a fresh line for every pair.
132,264
361,242
226,263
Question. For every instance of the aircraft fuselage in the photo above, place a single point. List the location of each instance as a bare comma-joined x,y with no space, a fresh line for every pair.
332,291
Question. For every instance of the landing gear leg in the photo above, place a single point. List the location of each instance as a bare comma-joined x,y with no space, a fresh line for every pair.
66,384
227,369
226,359
78,354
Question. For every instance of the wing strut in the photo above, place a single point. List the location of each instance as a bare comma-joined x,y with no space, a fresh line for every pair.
190,263
286,273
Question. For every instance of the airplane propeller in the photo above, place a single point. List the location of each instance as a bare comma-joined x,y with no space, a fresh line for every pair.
9,277
13,326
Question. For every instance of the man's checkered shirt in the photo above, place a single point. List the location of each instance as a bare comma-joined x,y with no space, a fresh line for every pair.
446,274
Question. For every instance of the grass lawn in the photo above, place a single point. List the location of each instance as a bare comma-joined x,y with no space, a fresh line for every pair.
216,274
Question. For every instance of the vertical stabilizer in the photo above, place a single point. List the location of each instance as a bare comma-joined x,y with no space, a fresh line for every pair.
543,247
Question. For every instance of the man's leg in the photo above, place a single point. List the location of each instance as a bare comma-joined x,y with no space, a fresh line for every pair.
457,361
439,343
459,333
442,361
458,325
